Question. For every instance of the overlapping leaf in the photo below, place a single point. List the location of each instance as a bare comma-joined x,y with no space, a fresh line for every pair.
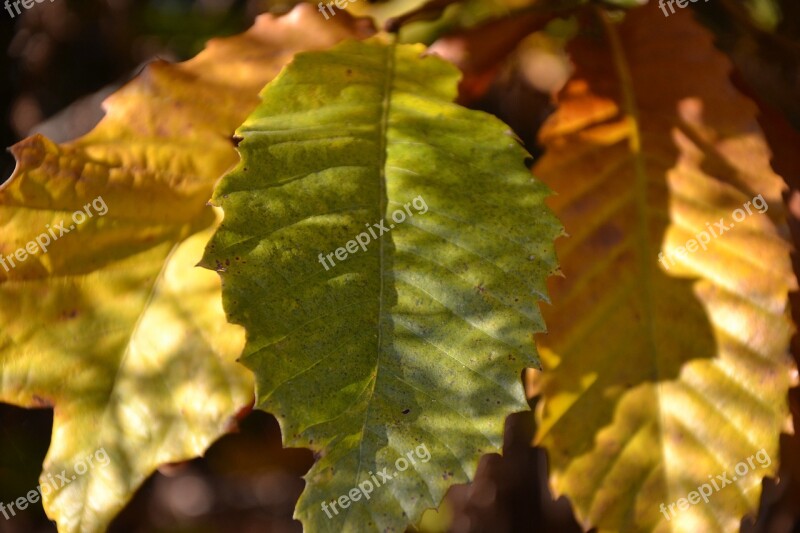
414,341
661,377
114,326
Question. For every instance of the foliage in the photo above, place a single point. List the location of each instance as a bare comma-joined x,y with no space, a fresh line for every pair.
370,337
135,355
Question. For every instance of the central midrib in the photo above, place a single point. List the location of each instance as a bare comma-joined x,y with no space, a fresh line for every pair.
644,253
382,202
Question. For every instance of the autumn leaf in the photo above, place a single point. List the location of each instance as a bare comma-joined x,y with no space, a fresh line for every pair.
114,326
666,366
386,251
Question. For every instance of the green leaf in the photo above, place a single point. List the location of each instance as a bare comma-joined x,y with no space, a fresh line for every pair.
416,341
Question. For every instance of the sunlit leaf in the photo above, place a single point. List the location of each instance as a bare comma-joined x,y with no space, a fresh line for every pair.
661,376
114,326
414,342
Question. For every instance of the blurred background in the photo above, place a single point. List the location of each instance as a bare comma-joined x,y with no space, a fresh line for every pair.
61,59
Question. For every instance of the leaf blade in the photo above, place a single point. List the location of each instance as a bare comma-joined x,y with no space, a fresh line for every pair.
398,341
630,426
137,358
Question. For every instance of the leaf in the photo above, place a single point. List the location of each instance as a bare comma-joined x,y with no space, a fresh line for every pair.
113,326
417,341
658,378
427,20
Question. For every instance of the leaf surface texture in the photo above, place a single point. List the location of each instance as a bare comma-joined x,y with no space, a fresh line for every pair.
114,326
659,377
418,338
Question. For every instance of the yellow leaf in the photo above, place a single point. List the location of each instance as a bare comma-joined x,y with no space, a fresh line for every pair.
110,322
662,372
